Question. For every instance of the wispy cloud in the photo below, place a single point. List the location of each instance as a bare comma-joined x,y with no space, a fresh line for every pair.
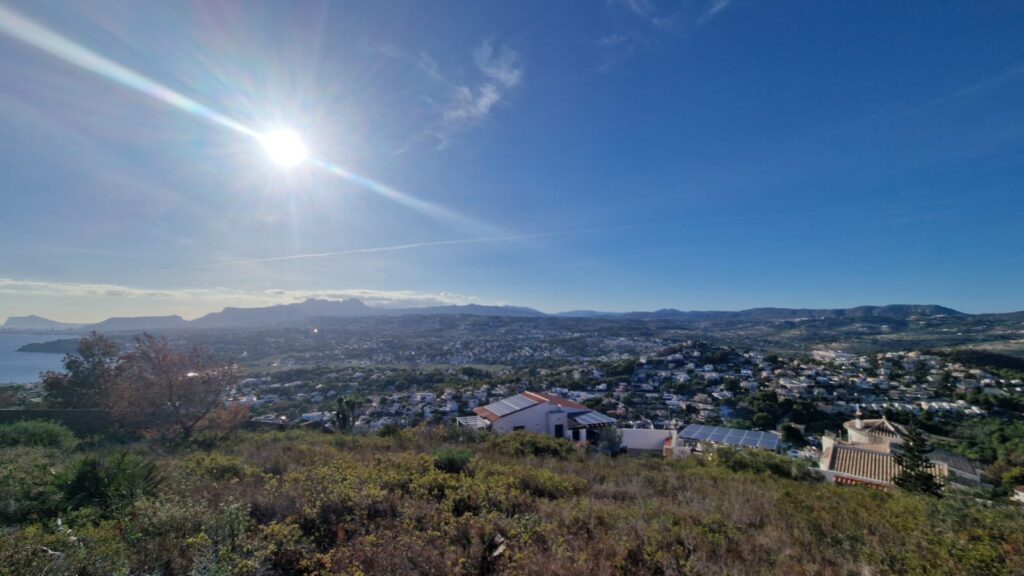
500,70
429,66
502,66
613,40
219,297
12,286
644,8
650,12
713,10
458,100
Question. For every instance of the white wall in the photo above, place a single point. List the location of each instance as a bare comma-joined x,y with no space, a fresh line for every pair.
633,439
539,418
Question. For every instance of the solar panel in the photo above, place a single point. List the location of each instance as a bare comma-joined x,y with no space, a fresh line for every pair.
510,405
520,401
593,418
691,432
730,436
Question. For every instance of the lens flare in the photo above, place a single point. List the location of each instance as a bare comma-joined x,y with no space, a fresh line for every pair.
284,147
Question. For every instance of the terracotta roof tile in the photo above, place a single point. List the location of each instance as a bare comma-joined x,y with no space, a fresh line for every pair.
556,400
485,414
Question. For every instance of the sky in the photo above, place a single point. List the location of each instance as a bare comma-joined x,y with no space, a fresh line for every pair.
608,155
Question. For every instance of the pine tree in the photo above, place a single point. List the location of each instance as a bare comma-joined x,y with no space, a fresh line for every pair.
917,473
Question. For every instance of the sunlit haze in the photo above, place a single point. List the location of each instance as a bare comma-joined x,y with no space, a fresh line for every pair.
177,158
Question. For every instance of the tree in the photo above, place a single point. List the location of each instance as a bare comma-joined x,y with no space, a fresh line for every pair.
917,473
764,421
793,435
87,375
346,413
920,372
160,390
609,440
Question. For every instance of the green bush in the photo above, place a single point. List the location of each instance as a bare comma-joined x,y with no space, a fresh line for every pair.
216,466
453,460
761,462
26,483
389,431
544,484
107,482
531,444
37,433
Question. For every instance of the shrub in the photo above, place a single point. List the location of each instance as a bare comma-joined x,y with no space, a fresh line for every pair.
26,483
37,433
107,483
453,460
531,444
544,484
761,462
389,430
216,466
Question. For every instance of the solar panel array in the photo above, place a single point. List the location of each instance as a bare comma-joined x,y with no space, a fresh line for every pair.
593,418
731,436
510,405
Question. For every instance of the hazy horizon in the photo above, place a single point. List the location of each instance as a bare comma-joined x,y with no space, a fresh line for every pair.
411,301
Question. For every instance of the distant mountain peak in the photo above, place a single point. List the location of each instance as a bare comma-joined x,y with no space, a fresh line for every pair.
34,322
235,317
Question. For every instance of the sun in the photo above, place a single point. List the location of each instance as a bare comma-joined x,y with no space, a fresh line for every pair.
284,147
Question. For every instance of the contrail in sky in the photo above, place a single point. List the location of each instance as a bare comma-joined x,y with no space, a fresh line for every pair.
414,245
29,32
512,238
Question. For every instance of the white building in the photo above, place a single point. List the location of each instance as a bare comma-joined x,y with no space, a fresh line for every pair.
541,413
1018,494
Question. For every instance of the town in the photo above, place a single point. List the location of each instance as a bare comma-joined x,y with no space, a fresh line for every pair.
803,400
692,383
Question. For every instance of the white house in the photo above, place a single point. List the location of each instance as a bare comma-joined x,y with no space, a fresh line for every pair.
541,413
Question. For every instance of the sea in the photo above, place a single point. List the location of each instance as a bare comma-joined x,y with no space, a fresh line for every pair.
24,367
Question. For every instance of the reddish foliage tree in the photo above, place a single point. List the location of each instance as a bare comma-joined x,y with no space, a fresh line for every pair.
162,391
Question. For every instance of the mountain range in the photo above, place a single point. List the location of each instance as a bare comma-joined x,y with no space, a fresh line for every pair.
353,308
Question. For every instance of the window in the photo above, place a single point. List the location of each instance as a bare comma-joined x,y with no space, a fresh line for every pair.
514,428
559,430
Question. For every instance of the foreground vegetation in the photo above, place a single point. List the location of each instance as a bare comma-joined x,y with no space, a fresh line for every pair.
434,501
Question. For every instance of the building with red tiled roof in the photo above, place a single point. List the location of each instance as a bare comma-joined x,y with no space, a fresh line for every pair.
867,456
539,412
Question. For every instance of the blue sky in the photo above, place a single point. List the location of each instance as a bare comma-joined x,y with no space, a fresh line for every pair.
619,155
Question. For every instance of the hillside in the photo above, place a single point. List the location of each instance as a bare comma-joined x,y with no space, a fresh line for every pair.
139,323
33,322
308,503
62,346
297,312
350,308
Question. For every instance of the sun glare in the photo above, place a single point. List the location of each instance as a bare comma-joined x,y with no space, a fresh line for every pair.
284,147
